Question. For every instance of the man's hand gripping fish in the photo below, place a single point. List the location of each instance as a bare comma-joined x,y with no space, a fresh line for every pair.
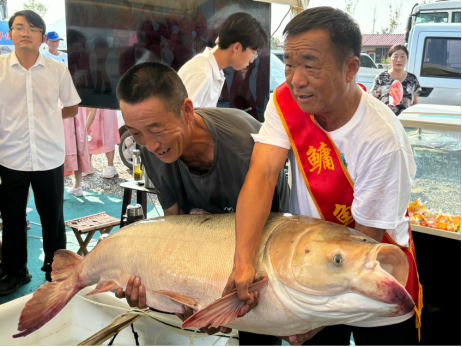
313,273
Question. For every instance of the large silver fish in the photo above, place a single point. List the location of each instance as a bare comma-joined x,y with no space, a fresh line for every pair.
315,273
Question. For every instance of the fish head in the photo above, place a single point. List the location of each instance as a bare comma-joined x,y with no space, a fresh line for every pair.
326,259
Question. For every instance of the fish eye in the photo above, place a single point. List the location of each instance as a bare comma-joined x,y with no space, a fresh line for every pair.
338,259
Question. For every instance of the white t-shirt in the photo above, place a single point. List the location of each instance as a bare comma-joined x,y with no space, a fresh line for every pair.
61,57
380,162
31,123
203,79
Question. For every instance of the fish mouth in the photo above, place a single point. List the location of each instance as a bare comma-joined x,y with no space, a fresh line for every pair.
384,278
390,259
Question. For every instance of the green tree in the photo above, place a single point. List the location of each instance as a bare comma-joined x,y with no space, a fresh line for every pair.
393,17
350,7
38,7
274,41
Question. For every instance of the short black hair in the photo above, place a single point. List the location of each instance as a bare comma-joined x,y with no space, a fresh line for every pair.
398,47
243,28
147,80
345,35
32,18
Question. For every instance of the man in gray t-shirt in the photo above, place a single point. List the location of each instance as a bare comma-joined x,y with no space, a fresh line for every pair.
197,158
217,190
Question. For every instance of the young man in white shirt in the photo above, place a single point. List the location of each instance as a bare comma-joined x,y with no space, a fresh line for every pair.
31,146
240,38
52,42
372,156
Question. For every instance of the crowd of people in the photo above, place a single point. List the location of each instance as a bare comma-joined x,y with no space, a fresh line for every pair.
350,158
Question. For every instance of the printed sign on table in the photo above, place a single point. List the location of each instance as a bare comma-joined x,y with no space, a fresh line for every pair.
396,93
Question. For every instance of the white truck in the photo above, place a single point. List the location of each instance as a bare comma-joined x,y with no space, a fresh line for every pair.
434,57
435,12
367,71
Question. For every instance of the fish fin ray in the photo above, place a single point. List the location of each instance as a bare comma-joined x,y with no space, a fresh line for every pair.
104,286
64,263
179,298
222,311
45,304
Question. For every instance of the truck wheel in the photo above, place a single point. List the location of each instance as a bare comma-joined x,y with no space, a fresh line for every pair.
126,147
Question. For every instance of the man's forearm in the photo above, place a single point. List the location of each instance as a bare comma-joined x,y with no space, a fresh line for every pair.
173,211
253,208
69,112
375,233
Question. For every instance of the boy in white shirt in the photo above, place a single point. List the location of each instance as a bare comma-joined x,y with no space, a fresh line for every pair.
31,146
240,38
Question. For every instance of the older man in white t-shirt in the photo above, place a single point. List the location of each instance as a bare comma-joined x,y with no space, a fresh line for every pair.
31,146
322,48
240,38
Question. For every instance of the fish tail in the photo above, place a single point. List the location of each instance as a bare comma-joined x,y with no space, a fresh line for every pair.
64,263
46,303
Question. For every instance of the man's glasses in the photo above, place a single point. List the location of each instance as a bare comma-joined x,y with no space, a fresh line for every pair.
24,30
255,55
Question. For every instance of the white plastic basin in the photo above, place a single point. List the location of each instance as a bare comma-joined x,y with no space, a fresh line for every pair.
80,319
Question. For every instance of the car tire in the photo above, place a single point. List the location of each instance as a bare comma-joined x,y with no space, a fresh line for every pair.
126,146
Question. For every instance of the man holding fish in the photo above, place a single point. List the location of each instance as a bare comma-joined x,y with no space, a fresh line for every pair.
197,158
350,159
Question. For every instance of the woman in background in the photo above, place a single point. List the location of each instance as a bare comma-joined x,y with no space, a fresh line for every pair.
398,56
103,130
77,153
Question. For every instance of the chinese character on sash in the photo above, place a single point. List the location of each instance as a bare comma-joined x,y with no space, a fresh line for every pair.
343,214
320,158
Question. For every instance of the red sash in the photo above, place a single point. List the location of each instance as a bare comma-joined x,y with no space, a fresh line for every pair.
327,179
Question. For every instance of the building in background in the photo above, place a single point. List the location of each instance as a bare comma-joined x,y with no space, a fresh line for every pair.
377,45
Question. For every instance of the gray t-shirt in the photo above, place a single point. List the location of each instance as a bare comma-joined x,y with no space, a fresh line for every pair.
218,190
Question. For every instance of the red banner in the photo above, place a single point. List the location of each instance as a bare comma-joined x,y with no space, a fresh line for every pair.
319,161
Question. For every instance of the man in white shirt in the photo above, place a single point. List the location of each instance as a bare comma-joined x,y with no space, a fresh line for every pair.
240,38
322,48
52,42
31,145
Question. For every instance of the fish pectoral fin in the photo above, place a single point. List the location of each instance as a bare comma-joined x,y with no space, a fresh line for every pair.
104,286
184,300
223,310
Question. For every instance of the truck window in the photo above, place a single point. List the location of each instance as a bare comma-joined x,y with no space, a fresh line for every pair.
365,61
455,17
437,17
441,57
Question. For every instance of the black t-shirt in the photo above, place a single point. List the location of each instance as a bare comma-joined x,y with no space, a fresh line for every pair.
216,191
